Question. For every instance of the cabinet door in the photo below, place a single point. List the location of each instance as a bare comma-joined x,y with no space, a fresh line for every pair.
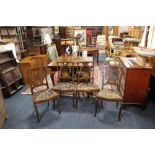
137,84
3,113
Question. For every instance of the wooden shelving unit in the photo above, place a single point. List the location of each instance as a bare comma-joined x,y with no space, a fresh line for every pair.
17,35
10,75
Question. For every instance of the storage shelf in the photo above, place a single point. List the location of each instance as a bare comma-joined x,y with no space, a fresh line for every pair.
7,70
10,75
17,34
6,60
18,52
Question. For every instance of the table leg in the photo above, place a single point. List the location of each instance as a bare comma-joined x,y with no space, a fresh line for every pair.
97,57
52,77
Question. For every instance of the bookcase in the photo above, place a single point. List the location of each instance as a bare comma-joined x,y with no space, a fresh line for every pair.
17,35
10,75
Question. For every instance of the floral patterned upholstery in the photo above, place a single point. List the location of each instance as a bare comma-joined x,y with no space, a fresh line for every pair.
87,87
44,95
109,94
64,86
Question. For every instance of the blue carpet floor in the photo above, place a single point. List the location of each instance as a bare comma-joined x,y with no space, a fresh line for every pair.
22,115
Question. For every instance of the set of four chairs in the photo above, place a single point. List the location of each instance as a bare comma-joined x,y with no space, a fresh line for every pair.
76,81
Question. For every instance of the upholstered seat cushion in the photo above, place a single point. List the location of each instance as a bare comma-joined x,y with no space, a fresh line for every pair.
87,87
109,94
44,95
64,86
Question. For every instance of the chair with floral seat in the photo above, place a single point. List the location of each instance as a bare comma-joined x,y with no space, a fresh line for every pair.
85,76
110,87
40,89
65,82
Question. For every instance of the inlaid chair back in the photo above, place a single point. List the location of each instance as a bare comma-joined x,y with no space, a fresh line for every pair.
65,71
37,77
111,75
85,72
112,80
85,84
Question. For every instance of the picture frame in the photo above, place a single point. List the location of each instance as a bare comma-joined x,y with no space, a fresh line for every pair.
52,51
36,32
82,34
56,30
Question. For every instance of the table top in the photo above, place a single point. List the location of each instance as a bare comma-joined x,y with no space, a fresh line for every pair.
89,49
70,59
131,40
132,63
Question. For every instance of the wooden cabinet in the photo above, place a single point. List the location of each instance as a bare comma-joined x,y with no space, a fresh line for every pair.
32,62
134,84
10,75
3,113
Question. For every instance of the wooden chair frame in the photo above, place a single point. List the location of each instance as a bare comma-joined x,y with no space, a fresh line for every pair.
86,68
65,75
37,78
112,82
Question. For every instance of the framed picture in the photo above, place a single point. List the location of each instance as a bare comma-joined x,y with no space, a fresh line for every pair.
52,51
56,30
81,33
36,32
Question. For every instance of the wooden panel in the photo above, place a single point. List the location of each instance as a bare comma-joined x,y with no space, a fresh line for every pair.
24,66
115,30
137,83
105,31
32,62
3,113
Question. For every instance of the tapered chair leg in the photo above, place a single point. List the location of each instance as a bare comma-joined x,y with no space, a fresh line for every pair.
88,95
48,103
101,104
58,100
74,96
116,104
37,113
53,104
96,105
77,96
120,111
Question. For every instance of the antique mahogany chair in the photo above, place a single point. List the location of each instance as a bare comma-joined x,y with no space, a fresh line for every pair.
85,79
40,89
65,82
112,79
